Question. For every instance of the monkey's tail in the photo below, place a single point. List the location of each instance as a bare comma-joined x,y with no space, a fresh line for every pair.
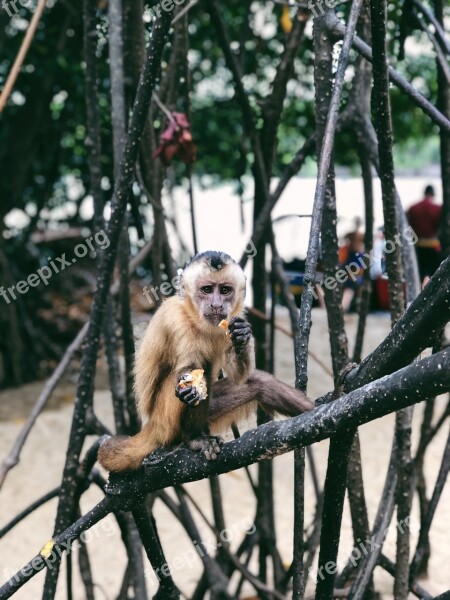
123,453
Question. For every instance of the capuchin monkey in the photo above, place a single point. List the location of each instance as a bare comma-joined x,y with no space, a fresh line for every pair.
183,336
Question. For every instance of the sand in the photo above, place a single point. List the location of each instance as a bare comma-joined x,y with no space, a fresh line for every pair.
43,458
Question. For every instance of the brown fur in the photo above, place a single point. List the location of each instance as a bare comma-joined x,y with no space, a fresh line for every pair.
179,339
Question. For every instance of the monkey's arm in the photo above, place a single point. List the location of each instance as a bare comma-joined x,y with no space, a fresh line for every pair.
240,359
156,358
194,417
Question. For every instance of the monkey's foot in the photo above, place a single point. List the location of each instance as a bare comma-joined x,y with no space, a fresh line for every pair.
210,445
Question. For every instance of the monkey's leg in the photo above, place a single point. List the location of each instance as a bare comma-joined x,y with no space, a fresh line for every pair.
230,402
195,431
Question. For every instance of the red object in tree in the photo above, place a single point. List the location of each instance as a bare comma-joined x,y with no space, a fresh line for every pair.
176,142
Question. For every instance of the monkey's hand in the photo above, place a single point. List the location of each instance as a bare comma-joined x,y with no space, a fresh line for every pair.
191,387
189,395
240,333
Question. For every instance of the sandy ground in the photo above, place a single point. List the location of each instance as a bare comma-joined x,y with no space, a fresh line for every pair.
43,458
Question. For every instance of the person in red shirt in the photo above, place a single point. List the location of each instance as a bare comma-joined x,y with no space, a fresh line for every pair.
425,218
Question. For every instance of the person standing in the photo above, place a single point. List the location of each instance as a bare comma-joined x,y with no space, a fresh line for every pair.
425,218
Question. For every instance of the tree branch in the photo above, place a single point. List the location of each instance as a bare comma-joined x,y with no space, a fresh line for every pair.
339,29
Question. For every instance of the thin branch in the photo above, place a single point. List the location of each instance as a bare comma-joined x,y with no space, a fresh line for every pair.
22,54
56,547
27,511
292,169
302,342
440,56
339,29
435,22
416,330
426,526
414,587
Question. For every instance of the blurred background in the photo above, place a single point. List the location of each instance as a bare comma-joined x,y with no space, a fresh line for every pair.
68,75
44,150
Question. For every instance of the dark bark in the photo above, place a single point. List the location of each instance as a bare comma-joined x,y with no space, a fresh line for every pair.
260,225
218,582
146,526
338,28
368,246
119,128
381,111
301,358
339,450
415,588
443,103
83,401
93,123
422,544
298,565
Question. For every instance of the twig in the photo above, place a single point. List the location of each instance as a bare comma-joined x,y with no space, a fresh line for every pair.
436,23
146,527
292,169
184,11
27,511
22,54
337,27
12,459
416,330
313,355
440,56
414,587
70,534
302,341
426,525
246,574
381,110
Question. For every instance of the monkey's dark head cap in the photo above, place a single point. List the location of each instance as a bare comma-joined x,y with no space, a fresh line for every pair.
213,266
214,259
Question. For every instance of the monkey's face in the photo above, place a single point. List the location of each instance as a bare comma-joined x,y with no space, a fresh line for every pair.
215,300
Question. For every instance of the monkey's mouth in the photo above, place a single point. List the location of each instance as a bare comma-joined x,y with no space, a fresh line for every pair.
215,318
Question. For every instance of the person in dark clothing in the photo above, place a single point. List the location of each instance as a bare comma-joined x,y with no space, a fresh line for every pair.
425,218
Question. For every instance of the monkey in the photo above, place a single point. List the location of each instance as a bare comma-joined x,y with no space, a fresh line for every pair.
182,336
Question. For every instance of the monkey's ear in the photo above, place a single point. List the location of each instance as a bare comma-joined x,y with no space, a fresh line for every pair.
181,283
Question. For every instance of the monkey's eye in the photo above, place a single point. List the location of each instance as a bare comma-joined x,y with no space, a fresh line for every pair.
225,290
207,289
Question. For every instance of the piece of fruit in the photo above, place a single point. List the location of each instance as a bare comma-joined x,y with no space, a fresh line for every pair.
224,325
195,379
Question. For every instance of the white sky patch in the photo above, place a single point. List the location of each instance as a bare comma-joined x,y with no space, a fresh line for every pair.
60,97
18,98
16,218
60,213
75,187
263,22
87,208
415,48
217,87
